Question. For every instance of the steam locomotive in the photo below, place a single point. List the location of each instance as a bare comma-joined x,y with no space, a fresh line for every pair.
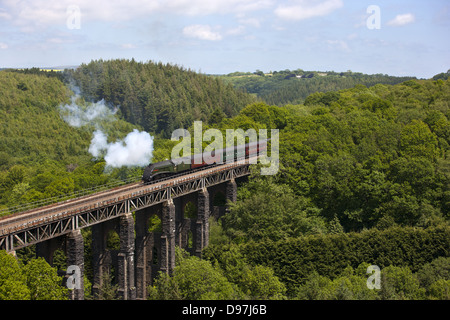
167,168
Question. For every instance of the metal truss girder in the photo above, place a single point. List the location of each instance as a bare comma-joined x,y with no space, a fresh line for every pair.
64,222
38,234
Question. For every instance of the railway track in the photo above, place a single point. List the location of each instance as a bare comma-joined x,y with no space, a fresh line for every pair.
22,220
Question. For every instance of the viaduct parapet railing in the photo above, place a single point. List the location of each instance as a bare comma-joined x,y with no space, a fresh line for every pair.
141,253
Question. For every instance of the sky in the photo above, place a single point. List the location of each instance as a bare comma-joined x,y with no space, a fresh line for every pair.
395,37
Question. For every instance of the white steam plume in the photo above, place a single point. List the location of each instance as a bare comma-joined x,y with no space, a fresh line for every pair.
99,143
135,149
77,116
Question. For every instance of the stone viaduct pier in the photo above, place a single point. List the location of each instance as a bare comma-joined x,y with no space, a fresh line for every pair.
147,221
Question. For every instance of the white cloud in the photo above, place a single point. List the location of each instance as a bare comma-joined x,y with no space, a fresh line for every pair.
207,7
202,32
236,31
34,15
304,9
4,15
3,45
339,45
128,46
251,22
402,19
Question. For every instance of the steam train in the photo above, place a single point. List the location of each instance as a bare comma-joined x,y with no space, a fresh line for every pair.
167,168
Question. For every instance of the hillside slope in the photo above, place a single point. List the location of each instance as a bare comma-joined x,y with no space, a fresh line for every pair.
158,97
41,155
358,158
292,87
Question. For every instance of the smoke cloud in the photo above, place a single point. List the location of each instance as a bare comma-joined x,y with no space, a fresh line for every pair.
99,143
135,149
77,116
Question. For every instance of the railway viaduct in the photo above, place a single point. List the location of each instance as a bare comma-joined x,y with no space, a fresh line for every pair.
149,219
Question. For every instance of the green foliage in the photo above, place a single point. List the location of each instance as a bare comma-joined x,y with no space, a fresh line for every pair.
193,279
399,283
367,157
229,278
164,288
440,290
434,277
41,156
270,116
154,224
112,240
252,281
216,234
442,76
30,122
348,286
418,140
38,71
260,282
283,87
414,264
356,159
316,287
158,97
294,259
37,280
43,281
107,290
266,210
13,284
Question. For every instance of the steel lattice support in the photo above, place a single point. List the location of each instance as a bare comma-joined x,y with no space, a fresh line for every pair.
52,223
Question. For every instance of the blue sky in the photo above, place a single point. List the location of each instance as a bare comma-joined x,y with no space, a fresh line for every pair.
223,36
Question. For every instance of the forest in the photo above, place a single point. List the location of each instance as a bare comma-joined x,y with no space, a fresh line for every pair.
363,180
158,97
294,86
42,156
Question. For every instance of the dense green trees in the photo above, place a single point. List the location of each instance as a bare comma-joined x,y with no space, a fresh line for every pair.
362,157
266,210
193,279
41,156
12,281
196,279
365,166
34,281
292,87
363,179
396,283
414,263
158,97
294,259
